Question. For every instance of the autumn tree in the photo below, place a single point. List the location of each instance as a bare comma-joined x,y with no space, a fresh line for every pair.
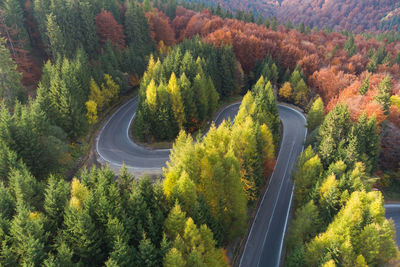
109,29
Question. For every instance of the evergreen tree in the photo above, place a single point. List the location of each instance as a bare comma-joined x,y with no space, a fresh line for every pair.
350,46
10,81
55,37
316,115
28,237
176,100
137,29
55,200
365,86
147,253
147,6
27,191
174,258
332,133
14,19
353,232
385,90
82,234
188,100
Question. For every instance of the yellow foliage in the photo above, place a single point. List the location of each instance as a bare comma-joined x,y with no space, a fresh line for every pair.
286,91
151,95
330,263
34,215
79,192
91,114
96,95
176,99
395,100
269,147
110,89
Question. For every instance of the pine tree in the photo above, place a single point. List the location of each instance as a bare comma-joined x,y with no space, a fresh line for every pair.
305,225
7,204
14,19
385,90
365,86
333,132
176,100
295,78
147,7
175,223
137,29
188,100
213,98
27,191
147,253
200,86
82,234
10,82
55,37
174,258
300,93
350,46
316,115
306,177
28,237
55,201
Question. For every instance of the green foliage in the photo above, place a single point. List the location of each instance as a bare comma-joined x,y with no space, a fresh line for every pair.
14,19
359,229
137,29
385,91
10,81
333,133
350,46
63,93
175,94
339,221
209,172
316,115
365,86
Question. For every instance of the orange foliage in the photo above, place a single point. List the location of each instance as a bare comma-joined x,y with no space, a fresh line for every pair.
109,29
160,28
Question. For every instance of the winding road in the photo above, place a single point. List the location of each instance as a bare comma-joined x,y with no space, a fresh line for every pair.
265,241
392,211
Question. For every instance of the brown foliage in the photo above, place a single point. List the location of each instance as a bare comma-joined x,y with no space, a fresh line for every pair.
160,28
109,29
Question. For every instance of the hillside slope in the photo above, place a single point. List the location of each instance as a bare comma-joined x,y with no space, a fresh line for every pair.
357,15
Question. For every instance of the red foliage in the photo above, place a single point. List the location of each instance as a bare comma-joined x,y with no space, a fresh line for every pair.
109,29
30,68
160,27
328,83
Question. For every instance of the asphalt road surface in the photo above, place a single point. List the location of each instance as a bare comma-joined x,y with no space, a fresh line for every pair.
265,241
393,212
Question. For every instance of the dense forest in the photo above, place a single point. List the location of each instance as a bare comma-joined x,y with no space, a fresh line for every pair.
64,64
356,16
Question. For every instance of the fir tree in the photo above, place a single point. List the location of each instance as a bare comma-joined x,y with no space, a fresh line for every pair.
316,115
